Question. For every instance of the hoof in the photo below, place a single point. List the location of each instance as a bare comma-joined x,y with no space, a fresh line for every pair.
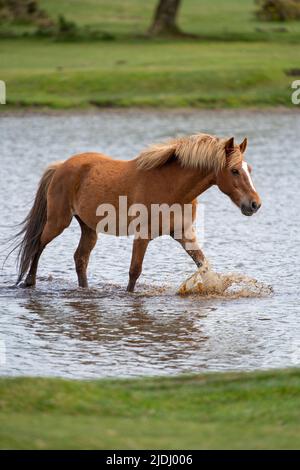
25,285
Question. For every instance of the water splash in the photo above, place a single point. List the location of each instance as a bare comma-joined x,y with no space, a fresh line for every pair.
207,283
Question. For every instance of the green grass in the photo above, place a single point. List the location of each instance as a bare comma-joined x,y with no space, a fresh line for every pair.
229,411
232,64
217,19
173,74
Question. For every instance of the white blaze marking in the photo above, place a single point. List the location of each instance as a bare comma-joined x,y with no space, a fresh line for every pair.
245,168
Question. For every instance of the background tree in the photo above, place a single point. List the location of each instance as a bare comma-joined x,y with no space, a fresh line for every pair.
278,10
164,20
22,10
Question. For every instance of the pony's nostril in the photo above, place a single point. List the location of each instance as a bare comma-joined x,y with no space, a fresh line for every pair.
255,206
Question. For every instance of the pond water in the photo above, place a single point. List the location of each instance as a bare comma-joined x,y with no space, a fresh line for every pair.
58,329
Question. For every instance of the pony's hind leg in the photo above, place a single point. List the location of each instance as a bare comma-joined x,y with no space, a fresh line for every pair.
52,229
48,217
82,254
31,276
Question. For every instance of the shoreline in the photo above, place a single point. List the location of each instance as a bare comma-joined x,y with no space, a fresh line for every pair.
90,111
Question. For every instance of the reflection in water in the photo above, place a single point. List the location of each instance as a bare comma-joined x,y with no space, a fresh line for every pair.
116,322
58,329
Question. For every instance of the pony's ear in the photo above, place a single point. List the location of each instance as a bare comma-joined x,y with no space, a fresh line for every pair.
243,145
229,146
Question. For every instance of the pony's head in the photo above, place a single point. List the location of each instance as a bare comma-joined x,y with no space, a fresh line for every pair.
210,155
235,179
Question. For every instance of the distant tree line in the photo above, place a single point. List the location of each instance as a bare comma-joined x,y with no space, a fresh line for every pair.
278,10
164,21
23,11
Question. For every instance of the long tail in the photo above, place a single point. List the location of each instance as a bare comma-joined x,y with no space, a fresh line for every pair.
33,225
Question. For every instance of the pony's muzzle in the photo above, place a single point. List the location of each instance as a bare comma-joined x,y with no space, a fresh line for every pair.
251,208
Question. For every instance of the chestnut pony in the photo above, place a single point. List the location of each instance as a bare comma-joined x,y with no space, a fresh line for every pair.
173,172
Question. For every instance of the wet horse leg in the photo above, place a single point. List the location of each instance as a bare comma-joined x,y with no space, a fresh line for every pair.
30,280
54,227
82,254
193,250
188,240
138,253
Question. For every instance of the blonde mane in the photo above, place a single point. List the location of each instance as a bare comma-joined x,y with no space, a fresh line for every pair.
202,151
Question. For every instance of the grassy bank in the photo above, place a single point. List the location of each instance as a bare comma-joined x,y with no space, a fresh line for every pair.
236,61
174,74
240,411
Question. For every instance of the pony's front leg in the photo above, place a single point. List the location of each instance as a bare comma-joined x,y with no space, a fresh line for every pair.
192,248
138,253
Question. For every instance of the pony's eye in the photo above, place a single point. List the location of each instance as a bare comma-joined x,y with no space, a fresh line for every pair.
234,171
